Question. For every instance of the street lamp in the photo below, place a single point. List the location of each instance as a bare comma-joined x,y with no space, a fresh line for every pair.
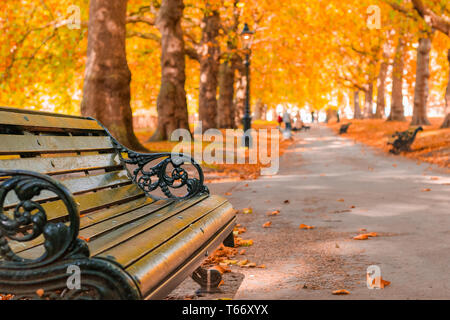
247,39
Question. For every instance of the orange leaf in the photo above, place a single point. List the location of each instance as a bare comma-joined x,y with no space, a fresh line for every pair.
361,237
274,213
341,200
341,292
242,252
263,266
304,226
247,211
426,190
40,292
267,224
228,193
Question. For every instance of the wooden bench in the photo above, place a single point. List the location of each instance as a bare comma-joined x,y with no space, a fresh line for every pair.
402,141
72,197
344,128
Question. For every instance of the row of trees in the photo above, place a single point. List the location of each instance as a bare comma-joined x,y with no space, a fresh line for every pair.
181,57
107,78
408,26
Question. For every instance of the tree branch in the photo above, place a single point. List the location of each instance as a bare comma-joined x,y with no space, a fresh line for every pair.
441,23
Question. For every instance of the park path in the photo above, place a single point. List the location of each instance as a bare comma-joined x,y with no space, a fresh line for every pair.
340,187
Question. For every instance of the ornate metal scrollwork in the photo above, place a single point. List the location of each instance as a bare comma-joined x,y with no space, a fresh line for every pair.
28,220
158,176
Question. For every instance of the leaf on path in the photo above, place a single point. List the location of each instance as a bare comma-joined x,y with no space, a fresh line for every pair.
434,178
263,266
372,234
426,190
383,283
247,211
222,269
243,243
40,292
362,230
242,262
361,237
242,252
353,207
394,165
228,262
304,226
340,292
267,224
286,201
274,213
341,200
228,193
220,283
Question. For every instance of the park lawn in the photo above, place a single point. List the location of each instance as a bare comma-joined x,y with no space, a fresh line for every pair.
221,172
432,145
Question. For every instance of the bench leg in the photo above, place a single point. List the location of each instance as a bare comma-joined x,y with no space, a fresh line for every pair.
208,279
229,241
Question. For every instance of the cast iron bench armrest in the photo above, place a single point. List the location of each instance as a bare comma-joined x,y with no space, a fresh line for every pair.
150,179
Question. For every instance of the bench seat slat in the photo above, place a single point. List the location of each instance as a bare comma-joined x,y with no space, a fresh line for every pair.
156,267
16,144
102,221
80,185
46,121
143,241
59,165
123,233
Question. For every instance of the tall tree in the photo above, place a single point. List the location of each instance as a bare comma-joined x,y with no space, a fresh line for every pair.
441,23
106,90
171,103
421,90
397,109
241,85
357,109
209,56
368,101
381,85
446,123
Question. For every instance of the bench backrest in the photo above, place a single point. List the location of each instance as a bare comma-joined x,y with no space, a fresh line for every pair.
76,151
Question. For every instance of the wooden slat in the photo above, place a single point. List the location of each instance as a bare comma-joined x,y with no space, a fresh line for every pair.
148,236
46,121
161,263
89,220
126,231
13,144
58,165
78,185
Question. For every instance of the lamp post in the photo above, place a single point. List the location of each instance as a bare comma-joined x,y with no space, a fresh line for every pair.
247,39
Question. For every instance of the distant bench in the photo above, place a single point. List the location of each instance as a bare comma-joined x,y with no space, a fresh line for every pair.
71,196
344,128
402,141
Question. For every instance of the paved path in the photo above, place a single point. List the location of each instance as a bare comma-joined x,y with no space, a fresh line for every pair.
381,193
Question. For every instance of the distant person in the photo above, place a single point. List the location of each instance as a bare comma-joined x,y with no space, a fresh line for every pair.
298,121
312,116
279,120
288,126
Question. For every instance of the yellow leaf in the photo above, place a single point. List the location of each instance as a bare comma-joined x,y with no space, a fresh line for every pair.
341,292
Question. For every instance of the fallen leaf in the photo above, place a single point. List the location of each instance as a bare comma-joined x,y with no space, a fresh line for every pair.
341,200
383,283
304,226
247,211
274,213
362,230
434,178
353,207
372,234
228,193
263,266
426,190
228,262
267,224
394,165
220,283
361,237
242,262
242,252
40,292
341,292
286,201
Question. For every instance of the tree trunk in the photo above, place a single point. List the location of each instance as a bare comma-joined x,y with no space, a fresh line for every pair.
225,110
259,109
397,110
381,88
171,103
357,111
209,69
368,102
241,85
446,123
106,89
421,90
